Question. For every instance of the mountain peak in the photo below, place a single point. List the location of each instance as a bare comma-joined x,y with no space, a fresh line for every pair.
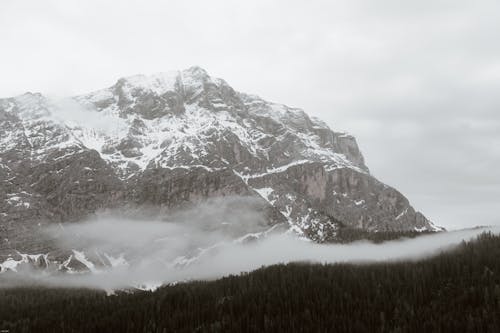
157,83
178,137
196,70
162,82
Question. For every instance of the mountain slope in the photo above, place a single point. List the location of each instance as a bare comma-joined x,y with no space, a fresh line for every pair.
173,139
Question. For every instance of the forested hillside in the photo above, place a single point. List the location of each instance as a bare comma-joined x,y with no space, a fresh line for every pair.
457,291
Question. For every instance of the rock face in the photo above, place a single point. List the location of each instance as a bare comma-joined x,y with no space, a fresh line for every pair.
178,138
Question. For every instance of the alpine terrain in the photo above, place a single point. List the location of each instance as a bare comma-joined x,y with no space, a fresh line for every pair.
173,140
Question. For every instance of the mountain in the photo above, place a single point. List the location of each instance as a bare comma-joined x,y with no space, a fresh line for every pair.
171,140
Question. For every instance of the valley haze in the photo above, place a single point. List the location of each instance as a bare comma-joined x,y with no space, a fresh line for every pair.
249,166
201,172
151,253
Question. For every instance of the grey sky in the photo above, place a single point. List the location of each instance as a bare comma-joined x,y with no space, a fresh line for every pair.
417,82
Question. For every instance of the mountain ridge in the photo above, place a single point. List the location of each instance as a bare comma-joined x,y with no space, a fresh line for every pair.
175,139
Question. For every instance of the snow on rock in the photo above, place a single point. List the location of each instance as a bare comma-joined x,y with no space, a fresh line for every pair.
25,259
185,123
80,256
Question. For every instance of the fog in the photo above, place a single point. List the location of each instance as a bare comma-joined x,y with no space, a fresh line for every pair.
209,241
69,112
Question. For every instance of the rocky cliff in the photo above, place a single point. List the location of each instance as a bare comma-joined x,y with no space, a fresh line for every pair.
175,139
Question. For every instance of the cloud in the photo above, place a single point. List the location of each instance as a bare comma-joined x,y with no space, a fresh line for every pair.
233,258
172,234
71,113
205,242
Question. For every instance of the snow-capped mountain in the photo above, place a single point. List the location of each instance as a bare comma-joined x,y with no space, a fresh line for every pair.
173,139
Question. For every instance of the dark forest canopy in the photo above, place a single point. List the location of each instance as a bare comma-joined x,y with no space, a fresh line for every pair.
457,291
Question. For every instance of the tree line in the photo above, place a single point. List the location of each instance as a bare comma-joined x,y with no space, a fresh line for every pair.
457,291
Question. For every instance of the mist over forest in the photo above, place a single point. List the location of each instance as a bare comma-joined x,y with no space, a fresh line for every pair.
206,242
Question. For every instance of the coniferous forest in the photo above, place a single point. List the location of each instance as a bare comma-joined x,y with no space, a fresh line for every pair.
457,291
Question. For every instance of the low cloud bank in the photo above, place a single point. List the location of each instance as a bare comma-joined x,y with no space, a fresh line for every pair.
208,242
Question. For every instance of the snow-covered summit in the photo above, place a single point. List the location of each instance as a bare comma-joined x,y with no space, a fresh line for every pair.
174,119
175,138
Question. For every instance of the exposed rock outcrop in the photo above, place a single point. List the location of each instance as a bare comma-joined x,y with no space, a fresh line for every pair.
174,139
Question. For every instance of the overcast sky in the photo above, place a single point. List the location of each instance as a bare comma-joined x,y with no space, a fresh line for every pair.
417,82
